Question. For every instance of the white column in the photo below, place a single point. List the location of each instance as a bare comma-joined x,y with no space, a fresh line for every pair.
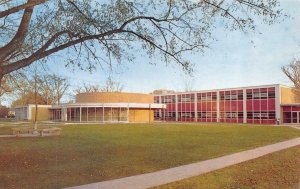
95,115
128,112
102,112
218,106
149,113
29,112
176,107
160,110
87,114
277,103
244,106
195,107
111,114
64,116
80,112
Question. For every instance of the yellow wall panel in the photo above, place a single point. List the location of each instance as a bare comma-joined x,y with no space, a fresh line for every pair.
138,115
114,97
42,115
289,95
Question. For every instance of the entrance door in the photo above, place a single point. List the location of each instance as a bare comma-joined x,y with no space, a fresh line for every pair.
295,117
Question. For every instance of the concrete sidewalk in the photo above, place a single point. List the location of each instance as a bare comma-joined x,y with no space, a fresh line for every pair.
182,172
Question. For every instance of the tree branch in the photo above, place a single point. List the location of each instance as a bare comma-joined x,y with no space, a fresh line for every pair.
21,7
19,37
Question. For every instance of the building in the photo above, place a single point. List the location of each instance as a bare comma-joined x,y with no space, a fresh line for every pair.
96,107
266,104
27,112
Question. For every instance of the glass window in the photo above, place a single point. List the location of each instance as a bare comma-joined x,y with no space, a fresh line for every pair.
264,95
287,117
168,100
203,114
222,96
240,96
272,115
264,115
234,97
231,114
271,94
240,115
185,99
192,96
214,96
249,95
192,114
227,97
256,115
179,98
185,114
250,115
208,114
256,95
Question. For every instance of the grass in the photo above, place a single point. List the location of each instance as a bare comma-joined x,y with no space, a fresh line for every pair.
5,131
92,153
276,170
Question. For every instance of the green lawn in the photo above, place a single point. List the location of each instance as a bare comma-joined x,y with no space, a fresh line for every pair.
92,153
276,170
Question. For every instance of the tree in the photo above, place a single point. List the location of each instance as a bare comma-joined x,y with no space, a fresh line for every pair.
110,86
5,87
87,88
103,32
29,98
10,82
53,87
292,71
188,84
48,89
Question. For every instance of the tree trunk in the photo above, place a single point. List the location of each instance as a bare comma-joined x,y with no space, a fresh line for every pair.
36,105
1,77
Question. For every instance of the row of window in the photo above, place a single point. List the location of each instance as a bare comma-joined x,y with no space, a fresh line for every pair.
187,98
231,114
261,115
250,115
261,95
213,97
238,96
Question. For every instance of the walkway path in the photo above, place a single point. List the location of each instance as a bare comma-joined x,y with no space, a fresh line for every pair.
295,126
182,172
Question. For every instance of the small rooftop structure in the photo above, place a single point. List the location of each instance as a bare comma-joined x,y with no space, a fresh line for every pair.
162,91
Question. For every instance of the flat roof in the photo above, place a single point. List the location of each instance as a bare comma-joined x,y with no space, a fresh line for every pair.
111,105
225,89
294,104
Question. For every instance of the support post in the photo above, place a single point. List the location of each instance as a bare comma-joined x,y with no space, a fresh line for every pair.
111,114
218,106
176,107
128,112
244,106
80,112
195,108
87,114
149,113
103,112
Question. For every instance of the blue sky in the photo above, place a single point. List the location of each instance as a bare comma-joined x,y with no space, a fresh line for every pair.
235,59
